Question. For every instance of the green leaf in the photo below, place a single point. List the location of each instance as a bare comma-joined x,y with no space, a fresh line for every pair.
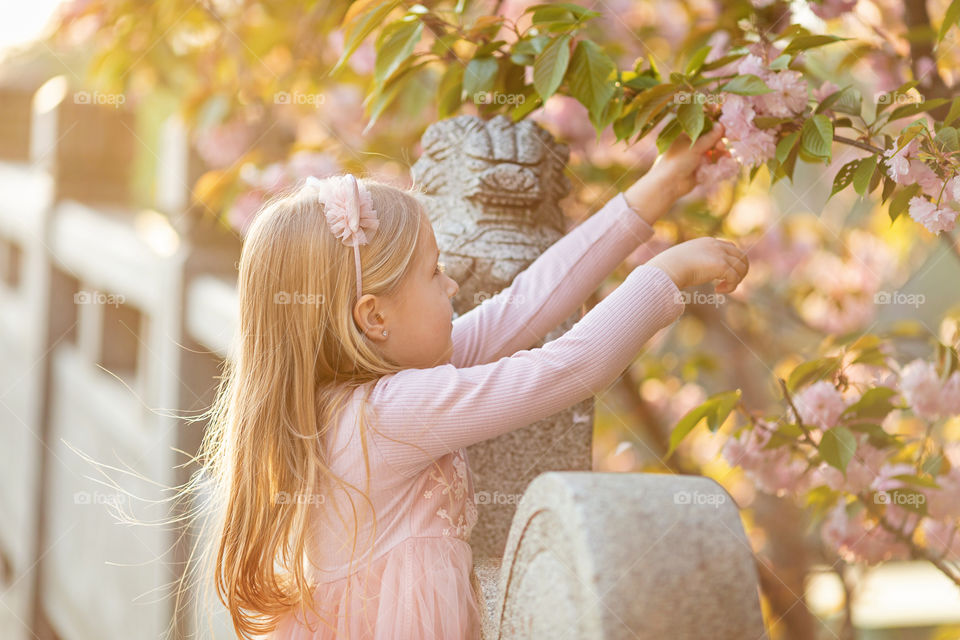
573,9
715,409
947,139
837,447
550,66
690,115
696,60
864,173
590,77
780,63
668,134
802,43
845,176
954,112
479,76
746,85
917,107
812,371
888,187
786,145
920,481
900,200
874,403
361,20
817,136
950,18
450,91
394,45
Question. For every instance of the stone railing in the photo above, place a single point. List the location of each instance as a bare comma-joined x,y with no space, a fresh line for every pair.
114,321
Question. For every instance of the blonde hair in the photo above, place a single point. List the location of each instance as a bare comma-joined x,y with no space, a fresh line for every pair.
294,368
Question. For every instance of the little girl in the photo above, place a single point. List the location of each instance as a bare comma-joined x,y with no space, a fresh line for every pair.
337,452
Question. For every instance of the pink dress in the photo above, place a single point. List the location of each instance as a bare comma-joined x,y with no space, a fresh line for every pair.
415,581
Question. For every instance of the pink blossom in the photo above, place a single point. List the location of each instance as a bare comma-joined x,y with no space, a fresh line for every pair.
736,116
756,148
712,174
861,471
886,480
789,95
856,539
952,189
921,388
942,537
829,9
224,144
950,395
934,218
944,503
822,92
925,67
898,164
774,471
244,209
924,176
820,404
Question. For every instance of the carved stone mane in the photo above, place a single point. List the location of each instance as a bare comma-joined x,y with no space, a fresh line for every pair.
492,190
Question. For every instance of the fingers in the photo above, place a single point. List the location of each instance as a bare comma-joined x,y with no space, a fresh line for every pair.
735,266
709,139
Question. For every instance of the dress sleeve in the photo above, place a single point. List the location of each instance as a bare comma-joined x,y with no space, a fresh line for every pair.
422,414
551,288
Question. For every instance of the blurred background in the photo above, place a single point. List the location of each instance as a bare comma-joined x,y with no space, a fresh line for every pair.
137,141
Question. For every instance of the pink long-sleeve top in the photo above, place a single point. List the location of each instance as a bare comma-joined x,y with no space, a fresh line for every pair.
415,580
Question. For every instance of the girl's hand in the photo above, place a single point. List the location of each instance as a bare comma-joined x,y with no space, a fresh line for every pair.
703,260
673,174
677,168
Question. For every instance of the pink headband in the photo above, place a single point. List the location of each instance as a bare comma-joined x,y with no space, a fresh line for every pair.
349,212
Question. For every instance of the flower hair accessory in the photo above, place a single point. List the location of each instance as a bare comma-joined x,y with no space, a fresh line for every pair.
349,211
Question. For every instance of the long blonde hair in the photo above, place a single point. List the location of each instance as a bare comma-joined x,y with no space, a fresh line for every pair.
293,369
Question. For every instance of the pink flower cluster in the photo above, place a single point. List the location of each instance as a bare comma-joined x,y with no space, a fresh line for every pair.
263,183
820,404
776,470
927,395
749,144
905,169
222,145
855,538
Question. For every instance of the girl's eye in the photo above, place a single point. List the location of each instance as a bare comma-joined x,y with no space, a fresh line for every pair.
441,268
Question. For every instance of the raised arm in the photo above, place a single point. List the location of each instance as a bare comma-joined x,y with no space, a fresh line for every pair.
551,288
421,414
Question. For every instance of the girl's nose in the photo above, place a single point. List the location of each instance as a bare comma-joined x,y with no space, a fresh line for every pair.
455,288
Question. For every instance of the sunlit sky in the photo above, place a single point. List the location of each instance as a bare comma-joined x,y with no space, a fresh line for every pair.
22,21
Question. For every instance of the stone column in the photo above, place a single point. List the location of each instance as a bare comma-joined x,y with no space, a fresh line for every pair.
492,190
